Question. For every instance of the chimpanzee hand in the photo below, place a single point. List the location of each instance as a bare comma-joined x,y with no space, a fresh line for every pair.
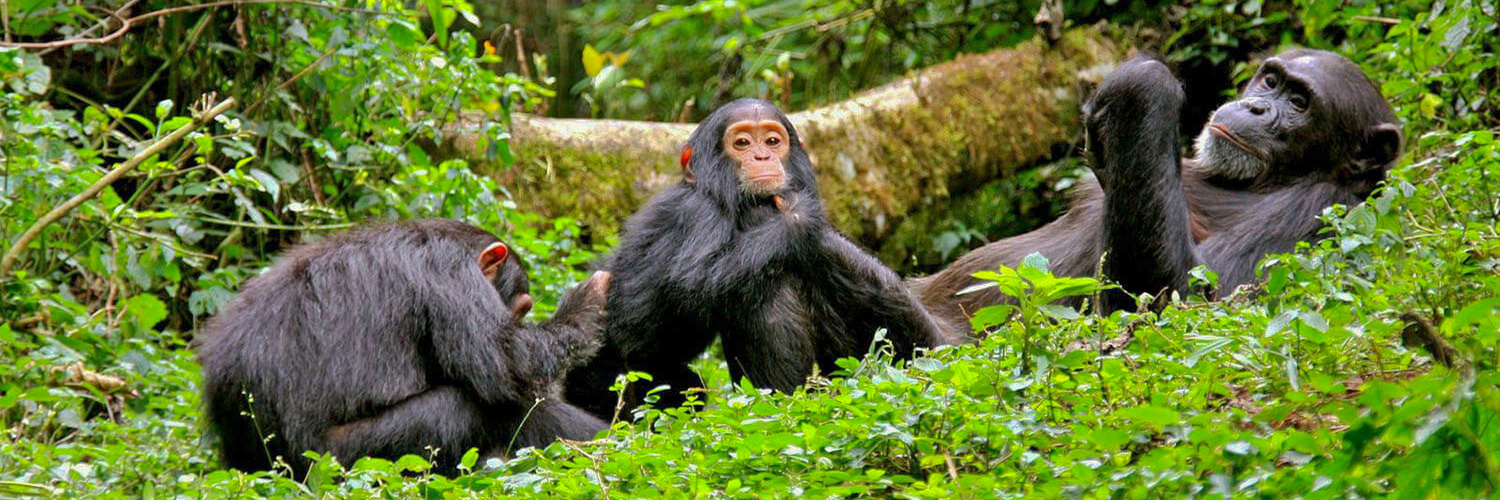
1131,117
585,305
793,209
579,321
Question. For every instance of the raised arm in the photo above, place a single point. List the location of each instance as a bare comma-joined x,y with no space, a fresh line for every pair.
1132,125
544,353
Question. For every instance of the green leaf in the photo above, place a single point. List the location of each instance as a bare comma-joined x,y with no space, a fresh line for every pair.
175,123
412,463
1106,438
147,310
401,35
1154,415
441,18
470,458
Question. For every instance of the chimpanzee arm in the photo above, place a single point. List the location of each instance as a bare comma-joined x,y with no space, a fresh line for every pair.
1273,225
875,295
739,258
470,328
1132,125
544,353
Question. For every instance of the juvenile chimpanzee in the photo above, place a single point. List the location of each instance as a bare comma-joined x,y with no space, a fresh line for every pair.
391,340
1310,130
741,248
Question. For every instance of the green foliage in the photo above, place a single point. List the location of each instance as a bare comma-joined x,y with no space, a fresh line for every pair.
1319,383
794,52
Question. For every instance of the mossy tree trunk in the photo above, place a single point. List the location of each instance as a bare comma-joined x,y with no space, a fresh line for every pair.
881,155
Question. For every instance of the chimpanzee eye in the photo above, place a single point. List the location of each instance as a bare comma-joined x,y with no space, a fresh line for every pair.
1271,81
773,141
742,143
1299,101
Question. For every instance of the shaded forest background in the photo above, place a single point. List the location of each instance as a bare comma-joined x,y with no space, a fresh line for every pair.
1363,368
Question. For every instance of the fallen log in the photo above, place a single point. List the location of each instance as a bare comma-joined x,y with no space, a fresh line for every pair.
880,155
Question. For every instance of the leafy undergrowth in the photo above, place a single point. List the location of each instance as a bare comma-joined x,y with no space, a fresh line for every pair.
1364,365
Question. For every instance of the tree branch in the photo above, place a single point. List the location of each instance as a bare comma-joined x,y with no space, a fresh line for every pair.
127,23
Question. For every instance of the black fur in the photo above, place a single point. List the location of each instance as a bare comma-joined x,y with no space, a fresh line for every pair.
783,290
386,341
1321,134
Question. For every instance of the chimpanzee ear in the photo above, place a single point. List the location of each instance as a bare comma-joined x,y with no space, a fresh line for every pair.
1382,146
492,258
686,159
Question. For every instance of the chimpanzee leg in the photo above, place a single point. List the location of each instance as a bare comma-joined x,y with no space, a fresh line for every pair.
447,419
550,420
775,348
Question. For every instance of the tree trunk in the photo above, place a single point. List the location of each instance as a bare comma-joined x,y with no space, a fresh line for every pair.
881,155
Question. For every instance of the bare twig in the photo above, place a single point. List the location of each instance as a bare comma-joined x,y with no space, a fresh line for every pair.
289,81
76,376
952,469
28,321
117,14
1381,20
312,176
103,182
598,472
1420,333
127,23
521,61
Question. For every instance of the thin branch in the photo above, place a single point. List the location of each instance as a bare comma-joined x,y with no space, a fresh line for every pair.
103,182
278,227
129,22
1373,19
289,81
117,14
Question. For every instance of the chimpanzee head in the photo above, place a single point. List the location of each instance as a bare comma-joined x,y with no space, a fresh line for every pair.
505,272
746,148
1304,112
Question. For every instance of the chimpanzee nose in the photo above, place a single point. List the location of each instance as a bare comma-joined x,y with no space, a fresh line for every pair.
1256,106
762,155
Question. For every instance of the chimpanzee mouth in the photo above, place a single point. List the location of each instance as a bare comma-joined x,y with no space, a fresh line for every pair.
1223,132
764,185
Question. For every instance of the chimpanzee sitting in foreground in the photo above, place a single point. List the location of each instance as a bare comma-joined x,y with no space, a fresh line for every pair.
1308,131
741,248
400,338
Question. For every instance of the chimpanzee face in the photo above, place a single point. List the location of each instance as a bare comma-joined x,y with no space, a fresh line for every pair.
1244,136
1303,110
758,144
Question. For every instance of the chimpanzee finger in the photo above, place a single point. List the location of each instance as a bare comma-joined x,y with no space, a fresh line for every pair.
601,281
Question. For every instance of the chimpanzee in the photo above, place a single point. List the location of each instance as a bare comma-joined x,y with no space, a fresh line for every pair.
1308,131
398,338
741,248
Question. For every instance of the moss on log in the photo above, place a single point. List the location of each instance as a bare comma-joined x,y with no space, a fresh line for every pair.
880,155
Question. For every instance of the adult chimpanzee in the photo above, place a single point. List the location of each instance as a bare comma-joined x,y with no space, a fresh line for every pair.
1309,130
741,248
391,340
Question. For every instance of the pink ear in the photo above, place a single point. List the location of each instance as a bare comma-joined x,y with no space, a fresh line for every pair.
493,256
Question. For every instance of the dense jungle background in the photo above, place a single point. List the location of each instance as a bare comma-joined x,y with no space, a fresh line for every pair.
154,154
